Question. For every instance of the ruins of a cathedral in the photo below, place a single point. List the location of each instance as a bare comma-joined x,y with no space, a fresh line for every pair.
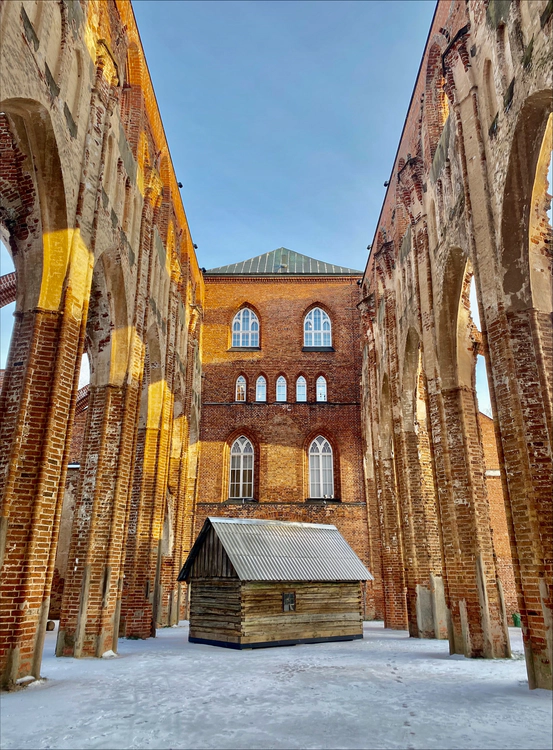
280,388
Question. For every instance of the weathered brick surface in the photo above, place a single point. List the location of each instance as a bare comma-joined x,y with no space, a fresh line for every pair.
282,432
468,198
8,288
108,267
498,518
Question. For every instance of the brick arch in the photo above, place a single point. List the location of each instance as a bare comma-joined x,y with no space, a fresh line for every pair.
455,334
166,171
386,429
322,306
134,69
98,328
243,305
54,37
132,99
109,269
30,170
151,404
520,255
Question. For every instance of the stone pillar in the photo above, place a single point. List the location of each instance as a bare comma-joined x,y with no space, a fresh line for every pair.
54,263
374,589
143,594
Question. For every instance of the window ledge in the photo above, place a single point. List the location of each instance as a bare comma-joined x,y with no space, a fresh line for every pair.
318,349
323,500
240,501
244,349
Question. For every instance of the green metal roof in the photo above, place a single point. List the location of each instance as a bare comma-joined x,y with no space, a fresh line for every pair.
280,262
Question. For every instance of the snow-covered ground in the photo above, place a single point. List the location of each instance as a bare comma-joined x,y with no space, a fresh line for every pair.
386,691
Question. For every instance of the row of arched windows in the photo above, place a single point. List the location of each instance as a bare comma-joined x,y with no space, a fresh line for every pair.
281,390
317,329
321,469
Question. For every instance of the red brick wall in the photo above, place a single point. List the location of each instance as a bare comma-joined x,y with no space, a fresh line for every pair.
281,432
498,519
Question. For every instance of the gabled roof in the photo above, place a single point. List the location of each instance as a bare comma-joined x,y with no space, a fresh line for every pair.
282,262
282,551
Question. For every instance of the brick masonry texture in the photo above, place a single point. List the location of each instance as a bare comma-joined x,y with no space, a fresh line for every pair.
451,510
109,269
281,433
466,203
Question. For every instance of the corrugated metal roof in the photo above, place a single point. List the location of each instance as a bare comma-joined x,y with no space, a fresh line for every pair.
281,262
283,551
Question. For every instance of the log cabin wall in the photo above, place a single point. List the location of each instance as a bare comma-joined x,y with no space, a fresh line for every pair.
323,610
215,611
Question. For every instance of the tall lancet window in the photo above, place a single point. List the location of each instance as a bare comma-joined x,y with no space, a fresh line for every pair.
321,471
321,389
240,394
301,389
261,389
241,468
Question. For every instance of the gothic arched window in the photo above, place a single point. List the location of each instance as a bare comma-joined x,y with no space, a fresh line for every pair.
321,470
261,389
245,329
241,468
240,394
301,389
321,389
317,329
281,389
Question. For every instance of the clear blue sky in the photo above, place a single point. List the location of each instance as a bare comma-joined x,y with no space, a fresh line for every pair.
283,118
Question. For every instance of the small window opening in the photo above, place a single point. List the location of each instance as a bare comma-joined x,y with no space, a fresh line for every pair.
281,389
241,388
321,389
301,389
261,389
289,601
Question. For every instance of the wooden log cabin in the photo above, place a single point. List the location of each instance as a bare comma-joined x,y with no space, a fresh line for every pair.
256,583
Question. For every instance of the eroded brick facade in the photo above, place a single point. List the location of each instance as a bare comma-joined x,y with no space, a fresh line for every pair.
91,211
467,198
282,432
